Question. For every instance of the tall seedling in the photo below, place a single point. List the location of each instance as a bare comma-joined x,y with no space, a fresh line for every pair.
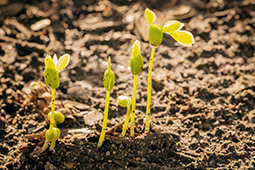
136,66
155,35
51,76
109,80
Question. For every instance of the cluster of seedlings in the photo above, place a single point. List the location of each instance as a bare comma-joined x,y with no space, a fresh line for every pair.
155,34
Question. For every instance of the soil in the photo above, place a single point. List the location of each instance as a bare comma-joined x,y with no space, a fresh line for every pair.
203,98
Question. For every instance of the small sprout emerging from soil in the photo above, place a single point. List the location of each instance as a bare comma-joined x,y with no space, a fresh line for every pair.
125,101
136,65
51,76
155,35
58,118
109,80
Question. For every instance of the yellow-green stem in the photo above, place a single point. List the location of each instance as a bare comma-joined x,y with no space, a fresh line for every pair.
123,133
102,136
52,111
148,110
132,134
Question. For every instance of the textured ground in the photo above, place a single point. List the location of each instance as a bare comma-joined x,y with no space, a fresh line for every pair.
203,110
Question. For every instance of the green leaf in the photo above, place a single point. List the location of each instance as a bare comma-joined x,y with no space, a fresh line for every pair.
124,101
55,59
171,26
136,64
49,62
58,117
183,37
51,77
109,77
155,34
109,80
136,60
135,48
150,16
51,137
63,62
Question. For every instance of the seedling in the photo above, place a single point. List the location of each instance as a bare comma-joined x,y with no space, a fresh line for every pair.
51,76
58,118
136,65
109,80
155,35
125,102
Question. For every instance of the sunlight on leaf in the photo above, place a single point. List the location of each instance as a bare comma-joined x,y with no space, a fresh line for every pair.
150,16
63,62
49,62
55,59
171,26
124,101
183,37
136,48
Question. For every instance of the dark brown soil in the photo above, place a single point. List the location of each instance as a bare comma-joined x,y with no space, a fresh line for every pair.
203,109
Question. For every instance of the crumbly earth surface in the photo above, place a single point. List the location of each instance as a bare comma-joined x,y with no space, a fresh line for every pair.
203,98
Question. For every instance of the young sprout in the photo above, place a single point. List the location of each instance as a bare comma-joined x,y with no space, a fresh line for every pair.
136,65
51,76
155,35
58,118
109,80
125,102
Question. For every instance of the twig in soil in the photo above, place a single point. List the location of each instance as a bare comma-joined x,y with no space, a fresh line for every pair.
113,128
205,151
192,116
226,154
52,40
186,156
39,135
38,128
19,26
40,47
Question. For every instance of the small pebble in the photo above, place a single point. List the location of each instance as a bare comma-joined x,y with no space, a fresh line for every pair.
137,159
108,153
40,24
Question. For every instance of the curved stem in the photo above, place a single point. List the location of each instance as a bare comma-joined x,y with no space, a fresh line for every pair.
123,133
102,136
133,107
148,110
52,111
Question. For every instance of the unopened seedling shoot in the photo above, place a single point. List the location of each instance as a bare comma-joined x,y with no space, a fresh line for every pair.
109,80
155,35
125,101
136,65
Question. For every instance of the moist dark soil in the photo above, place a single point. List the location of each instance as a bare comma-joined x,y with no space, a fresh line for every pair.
203,98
